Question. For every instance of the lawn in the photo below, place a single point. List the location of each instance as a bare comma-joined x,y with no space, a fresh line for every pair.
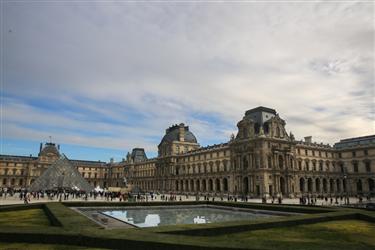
349,234
30,217
341,229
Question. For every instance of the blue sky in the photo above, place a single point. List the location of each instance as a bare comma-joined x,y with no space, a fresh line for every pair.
102,77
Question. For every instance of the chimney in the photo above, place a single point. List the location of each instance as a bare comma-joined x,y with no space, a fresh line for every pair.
40,148
181,132
308,139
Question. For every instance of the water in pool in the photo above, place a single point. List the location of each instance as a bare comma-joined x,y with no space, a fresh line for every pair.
153,217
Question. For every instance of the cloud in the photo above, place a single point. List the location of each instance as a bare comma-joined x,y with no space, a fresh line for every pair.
117,74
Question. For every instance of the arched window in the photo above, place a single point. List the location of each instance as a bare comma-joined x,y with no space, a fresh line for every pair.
245,162
359,186
256,128
309,185
281,162
307,165
225,185
317,185
210,185
269,162
325,189
266,128
277,132
218,188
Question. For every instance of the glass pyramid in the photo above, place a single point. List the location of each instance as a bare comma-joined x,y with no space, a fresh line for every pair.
61,175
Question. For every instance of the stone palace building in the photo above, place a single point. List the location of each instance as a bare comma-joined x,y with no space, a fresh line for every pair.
261,160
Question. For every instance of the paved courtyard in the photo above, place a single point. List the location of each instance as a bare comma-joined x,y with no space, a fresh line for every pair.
157,198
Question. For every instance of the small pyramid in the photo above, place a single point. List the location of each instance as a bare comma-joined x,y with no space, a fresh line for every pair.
61,175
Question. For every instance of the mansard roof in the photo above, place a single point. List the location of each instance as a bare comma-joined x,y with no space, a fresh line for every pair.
138,155
261,109
356,141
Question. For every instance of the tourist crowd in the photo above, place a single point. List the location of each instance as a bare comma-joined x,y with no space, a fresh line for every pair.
105,195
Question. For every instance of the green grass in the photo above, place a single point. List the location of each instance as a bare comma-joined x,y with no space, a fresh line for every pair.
30,217
22,246
350,234
335,234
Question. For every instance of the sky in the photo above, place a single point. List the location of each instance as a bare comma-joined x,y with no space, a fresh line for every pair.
103,77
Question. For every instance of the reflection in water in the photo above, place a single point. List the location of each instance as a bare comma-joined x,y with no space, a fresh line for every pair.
200,220
151,220
152,217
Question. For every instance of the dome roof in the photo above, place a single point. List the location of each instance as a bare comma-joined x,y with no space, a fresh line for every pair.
48,149
173,134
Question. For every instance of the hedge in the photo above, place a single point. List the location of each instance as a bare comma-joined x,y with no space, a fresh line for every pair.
88,241
72,228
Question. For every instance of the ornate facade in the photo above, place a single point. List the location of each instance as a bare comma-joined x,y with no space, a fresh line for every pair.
261,160
21,171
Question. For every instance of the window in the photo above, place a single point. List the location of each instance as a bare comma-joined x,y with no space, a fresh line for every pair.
269,162
320,166
368,166
281,162
353,154
306,152
300,165
355,167
277,132
314,166
340,155
245,162
365,152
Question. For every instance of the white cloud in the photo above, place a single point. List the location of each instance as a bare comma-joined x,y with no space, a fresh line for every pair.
312,62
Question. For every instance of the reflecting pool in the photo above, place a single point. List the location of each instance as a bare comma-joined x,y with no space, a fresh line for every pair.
159,216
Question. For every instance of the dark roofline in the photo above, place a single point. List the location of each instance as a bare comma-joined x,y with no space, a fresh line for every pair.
358,138
20,156
87,161
139,149
260,109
